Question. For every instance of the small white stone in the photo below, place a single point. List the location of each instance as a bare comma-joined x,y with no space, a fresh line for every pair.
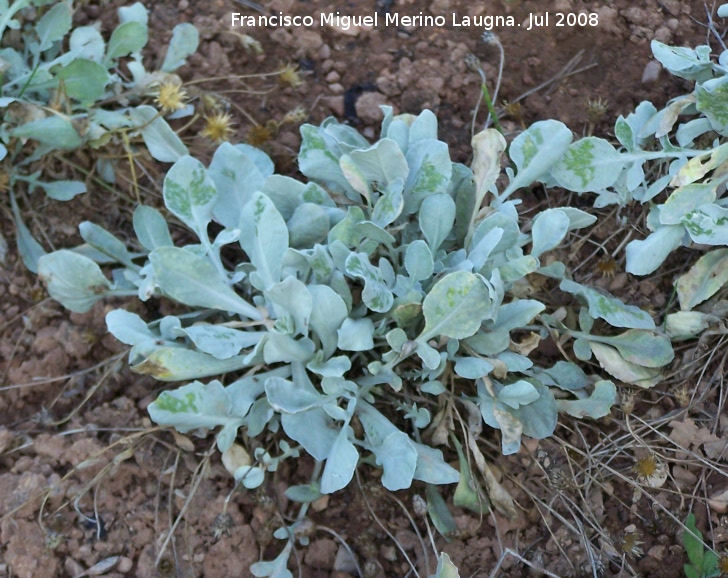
652,72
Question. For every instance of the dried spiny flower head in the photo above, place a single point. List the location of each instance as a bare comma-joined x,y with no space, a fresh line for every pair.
626,399
607,266
630,543
290,76
682,395
596,109
514,110
650,471
419,506
171,97
222,525
259,134
723,563
218,127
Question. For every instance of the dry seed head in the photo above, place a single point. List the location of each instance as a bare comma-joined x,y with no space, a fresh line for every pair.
627,402
607,267
514,110
723,563
682,395
289,75
560,479
419,506
630,543
218,127
260,134
222,525
596,109
171,97
650,471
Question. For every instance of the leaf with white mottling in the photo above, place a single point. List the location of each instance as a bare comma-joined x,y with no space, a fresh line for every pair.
190,194
455,307
194,281
377,296
264,238
704,279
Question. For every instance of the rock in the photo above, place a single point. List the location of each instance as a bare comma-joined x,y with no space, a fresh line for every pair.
125,565
657,552
719,502
25,550
367,107
6,438
344,562
308,41
441,7
334,103
321,554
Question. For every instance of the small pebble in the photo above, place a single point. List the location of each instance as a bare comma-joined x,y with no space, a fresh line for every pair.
652,72
125,565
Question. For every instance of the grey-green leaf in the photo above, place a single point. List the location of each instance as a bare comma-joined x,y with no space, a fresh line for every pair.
185,40
590,164
418,260
53,26
328,312
597,405
197,406
73,280
398,459
609,308
646,255
62,190
190,194
455,307
264,238
163,143
151,229
704,279
340,464
437,216
377,296
100,239
127,38
549,229
535,151
194,281
30,250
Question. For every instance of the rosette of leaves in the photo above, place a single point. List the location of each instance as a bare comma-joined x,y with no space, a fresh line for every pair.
366,300
63,89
